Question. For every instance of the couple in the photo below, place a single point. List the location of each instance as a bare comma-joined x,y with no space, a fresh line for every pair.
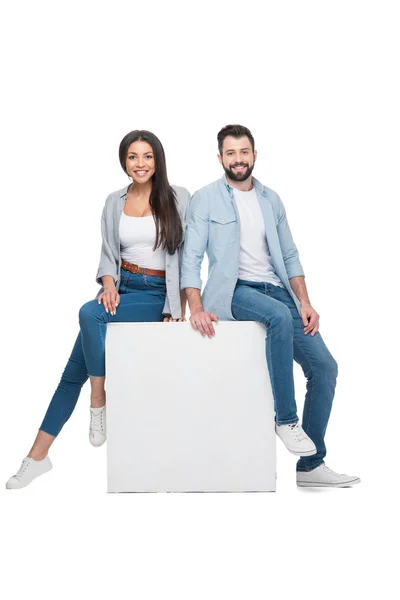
148,274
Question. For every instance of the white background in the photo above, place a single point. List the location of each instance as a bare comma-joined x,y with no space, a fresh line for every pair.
317,83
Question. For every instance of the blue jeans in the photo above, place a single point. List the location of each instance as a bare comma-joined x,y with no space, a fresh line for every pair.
142,300
273,306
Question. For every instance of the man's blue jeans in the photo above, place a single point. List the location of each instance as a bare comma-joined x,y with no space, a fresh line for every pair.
273,306
142,300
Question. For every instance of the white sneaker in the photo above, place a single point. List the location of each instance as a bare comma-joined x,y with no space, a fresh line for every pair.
323,476
295,439
97,430
29,470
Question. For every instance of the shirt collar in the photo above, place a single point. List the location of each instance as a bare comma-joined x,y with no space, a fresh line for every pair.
124,191
256,184
225,182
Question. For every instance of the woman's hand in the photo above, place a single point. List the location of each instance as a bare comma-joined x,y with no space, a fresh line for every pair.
171,320
110,298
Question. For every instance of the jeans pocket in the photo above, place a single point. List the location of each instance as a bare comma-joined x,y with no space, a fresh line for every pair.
124,275
155,283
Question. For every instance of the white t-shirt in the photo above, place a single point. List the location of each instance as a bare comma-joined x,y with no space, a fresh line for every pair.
137,237
254,260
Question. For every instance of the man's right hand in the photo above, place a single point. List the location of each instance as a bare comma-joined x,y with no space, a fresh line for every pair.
202,321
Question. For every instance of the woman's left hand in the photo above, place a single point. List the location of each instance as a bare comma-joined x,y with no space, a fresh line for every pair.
171,320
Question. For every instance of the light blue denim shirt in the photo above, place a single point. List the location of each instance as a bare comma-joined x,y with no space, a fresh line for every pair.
110,257
213,227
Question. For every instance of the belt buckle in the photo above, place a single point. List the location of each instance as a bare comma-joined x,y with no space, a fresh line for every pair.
137,269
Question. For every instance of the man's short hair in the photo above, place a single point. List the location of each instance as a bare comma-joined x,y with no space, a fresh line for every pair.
236,131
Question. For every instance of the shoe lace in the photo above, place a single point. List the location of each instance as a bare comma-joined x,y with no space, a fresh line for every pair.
96,422
328,470
22,469
297,432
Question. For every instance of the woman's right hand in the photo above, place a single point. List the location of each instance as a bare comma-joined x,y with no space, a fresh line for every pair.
110,298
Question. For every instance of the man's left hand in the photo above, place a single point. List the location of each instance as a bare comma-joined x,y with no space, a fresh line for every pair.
310,319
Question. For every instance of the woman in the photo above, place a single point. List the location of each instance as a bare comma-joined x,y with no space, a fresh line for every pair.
142,229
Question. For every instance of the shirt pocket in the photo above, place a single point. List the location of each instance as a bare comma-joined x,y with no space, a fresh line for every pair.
223,228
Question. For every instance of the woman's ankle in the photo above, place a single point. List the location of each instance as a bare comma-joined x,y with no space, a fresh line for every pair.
97,401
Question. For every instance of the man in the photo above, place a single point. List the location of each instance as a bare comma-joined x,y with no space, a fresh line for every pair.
255,275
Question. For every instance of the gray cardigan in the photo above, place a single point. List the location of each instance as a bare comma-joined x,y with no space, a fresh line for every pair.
110,258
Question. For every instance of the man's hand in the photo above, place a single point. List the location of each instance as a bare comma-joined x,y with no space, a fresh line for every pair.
202,321
310,318
110,298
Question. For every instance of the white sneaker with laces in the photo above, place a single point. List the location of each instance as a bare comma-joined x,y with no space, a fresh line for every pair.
295,439
29,470
97,430
323,476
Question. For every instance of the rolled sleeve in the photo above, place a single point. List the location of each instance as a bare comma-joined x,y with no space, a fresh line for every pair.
196,240
289,250
107,265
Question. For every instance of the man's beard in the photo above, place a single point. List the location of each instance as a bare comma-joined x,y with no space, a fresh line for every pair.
239,176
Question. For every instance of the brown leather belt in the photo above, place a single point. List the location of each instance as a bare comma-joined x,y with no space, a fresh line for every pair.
136,269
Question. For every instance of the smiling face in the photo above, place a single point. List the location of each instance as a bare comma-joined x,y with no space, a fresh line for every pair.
140,163
237,158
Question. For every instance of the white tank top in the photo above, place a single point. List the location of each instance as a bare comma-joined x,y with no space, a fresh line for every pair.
254,260
137,237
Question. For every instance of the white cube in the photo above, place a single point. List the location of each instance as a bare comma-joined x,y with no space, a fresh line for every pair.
187,413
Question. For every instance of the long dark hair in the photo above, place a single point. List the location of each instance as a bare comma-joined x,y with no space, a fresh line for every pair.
163,202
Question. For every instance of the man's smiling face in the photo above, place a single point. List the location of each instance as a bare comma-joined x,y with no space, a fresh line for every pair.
237,158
